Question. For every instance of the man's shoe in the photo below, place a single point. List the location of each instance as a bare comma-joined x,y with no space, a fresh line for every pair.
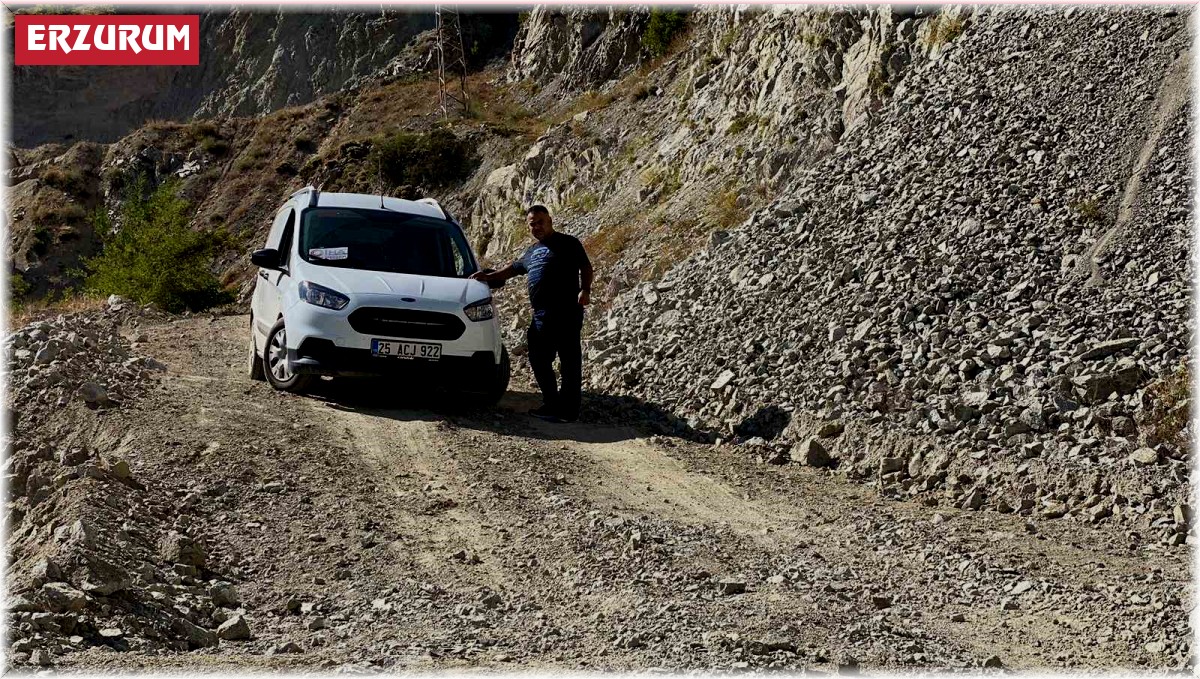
542,412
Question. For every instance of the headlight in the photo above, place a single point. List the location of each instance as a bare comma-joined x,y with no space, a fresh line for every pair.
481,310
322,296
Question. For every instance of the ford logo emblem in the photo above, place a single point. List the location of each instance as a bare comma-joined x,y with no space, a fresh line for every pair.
408,299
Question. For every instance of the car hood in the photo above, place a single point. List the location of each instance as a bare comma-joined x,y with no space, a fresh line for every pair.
354,282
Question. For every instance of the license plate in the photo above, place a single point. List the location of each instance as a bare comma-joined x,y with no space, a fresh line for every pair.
394,349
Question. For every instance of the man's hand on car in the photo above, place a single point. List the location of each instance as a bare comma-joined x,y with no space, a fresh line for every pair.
481,276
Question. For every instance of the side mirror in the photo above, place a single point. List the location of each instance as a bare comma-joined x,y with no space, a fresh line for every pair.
267,258
494,285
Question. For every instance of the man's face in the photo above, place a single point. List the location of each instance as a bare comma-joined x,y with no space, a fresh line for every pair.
540,224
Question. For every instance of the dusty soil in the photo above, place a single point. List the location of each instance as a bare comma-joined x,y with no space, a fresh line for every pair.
424,536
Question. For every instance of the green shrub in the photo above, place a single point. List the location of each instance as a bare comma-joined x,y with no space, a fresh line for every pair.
741,122
1088,210
428,160
305,144
18,287
214,147
665,25
155,258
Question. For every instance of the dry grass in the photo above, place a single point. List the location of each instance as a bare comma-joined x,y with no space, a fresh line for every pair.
24,313
1168,410
725,211
943,29
608,245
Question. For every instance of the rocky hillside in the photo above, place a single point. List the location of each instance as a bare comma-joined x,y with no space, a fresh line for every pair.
955,234
254,62
975,299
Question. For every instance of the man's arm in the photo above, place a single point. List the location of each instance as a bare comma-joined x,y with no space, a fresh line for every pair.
504,274
586,276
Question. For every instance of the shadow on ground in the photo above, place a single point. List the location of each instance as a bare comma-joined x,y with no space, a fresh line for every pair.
603,418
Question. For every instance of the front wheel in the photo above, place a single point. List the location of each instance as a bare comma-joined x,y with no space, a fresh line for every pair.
499,383
279,374
254,359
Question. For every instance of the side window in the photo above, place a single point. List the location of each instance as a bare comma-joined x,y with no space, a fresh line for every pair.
285,241
276,233
460,259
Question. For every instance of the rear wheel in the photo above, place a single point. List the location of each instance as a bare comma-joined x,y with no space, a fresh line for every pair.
254,360
278,373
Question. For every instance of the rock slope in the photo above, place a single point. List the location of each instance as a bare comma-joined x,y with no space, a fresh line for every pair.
982,286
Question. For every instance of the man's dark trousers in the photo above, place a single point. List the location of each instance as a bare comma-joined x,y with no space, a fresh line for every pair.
558,335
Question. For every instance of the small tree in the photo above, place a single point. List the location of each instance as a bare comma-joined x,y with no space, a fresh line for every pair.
154,258
664,26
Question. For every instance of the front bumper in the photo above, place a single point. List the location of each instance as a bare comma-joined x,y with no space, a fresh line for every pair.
321,357
309,323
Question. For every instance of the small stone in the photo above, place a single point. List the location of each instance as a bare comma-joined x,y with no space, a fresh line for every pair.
42,658
317,623
881,602
59,597
94,394
730,587
224,595
234,629
958,617
1145,456
811,453
993,661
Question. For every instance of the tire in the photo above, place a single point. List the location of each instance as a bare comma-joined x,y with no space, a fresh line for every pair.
254,360
499,384
275,363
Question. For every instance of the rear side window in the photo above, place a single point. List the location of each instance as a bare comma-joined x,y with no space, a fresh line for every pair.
383,240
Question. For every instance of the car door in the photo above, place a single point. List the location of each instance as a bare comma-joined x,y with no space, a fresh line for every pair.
267,302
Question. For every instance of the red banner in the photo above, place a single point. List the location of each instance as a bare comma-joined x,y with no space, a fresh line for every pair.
107,40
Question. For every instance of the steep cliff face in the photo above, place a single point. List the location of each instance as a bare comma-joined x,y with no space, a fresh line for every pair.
743,106
251,63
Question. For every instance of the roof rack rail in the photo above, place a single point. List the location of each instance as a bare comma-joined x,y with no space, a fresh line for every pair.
430,201
313,194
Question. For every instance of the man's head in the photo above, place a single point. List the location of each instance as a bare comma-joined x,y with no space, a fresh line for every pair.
537,217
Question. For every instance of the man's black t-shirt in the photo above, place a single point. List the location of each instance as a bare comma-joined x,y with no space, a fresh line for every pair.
553,266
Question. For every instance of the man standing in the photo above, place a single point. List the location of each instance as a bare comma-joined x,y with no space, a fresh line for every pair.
560,285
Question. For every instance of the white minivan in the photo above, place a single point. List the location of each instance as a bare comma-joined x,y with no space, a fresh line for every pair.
362,285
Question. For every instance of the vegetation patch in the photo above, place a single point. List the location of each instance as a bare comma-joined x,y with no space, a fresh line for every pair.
743,121
154,258
943,29
1088,210
725,211
70,181
1167,414
664,27
434,159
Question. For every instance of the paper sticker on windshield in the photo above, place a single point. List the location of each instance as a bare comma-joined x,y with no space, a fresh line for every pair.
329,253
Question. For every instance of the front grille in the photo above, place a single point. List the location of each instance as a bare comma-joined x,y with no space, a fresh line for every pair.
411,323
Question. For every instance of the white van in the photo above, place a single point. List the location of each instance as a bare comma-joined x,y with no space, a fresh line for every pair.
362,285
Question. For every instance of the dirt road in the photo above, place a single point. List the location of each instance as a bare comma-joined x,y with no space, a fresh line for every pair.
409,534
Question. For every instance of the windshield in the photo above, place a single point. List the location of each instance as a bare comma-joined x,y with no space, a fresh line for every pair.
382,240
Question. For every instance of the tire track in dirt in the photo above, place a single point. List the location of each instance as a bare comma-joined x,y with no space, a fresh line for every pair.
1172,94
618,467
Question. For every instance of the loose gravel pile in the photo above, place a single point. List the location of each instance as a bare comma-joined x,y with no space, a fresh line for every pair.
970,301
